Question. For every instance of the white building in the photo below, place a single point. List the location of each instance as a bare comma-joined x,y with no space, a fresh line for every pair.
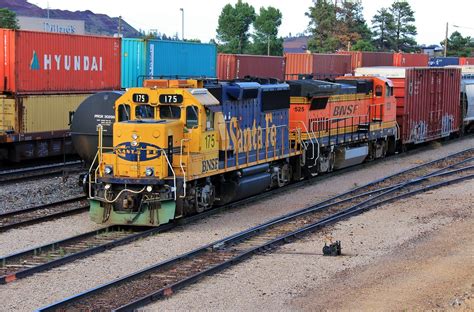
76,27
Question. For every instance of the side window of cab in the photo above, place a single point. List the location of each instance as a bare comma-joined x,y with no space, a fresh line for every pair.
123,112
378,91
192,115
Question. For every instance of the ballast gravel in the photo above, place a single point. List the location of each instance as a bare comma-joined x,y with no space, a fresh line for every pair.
25,194
50,286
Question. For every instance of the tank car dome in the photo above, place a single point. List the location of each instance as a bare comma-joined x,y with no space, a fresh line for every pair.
96,109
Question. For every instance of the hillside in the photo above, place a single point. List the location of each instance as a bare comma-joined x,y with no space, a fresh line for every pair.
100,24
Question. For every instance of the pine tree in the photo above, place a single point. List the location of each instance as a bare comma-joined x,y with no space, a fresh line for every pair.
265,38
404,26
383,30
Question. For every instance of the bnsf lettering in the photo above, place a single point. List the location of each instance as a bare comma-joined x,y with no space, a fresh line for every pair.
210,165
345,110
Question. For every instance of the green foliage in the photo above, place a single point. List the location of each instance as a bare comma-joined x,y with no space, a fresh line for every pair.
8,19
336,27
265,38
233,27
404,26
363,45
383,30
459,45
322,26
352,26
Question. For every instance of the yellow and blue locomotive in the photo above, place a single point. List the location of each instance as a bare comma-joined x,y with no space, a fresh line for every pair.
179,148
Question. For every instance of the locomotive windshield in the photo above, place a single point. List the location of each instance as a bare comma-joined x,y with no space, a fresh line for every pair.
144,112
170,112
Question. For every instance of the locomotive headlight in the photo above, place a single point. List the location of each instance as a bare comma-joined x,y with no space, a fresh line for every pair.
149,188
134,136
149,172
108,170
134,143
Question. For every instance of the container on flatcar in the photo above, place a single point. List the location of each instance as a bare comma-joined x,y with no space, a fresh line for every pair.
237,66
39,63
133,62
36,124
443,61
410,59
466,61
320,66
368,59
171,59
428,105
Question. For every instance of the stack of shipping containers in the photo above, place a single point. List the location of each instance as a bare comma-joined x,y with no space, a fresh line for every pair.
148,59
427,100
45,76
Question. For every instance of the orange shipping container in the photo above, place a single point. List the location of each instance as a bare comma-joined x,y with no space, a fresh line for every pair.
410,60
38,62
321,66
237,66
466,61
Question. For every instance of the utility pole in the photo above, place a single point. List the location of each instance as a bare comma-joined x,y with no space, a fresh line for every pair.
48,10
268,45
446,41
182,22
120,26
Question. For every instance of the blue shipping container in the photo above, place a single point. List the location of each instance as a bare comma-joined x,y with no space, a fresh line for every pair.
180,59
133,62
443,61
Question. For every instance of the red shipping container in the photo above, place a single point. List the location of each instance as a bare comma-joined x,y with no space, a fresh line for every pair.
428,105
237,66
321,66
38,62
368,59
410,59
466,61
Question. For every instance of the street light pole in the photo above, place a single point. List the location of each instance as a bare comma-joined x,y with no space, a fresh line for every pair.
182,23
446,41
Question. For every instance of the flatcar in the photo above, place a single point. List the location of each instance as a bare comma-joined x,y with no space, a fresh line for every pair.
180,147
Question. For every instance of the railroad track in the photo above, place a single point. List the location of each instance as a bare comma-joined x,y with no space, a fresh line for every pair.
165,278
17,175
26,263
33,215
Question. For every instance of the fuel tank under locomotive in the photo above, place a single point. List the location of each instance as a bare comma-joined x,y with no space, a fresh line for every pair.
244,183
98,109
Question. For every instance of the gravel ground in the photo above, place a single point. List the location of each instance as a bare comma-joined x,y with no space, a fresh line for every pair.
397,257
25,194
47,287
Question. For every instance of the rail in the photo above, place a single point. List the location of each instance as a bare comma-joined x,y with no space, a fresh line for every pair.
165,278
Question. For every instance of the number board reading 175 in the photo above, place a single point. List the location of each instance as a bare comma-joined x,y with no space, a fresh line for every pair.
140,98
171,99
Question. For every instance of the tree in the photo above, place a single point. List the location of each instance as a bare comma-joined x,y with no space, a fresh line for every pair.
265,38
404,27
322,27
233,27
383,30
8,19
363,45
351,25
459,45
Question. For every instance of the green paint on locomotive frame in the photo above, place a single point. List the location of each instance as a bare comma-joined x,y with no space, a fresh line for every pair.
159,216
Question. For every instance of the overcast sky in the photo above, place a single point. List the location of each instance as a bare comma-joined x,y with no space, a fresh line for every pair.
201,16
